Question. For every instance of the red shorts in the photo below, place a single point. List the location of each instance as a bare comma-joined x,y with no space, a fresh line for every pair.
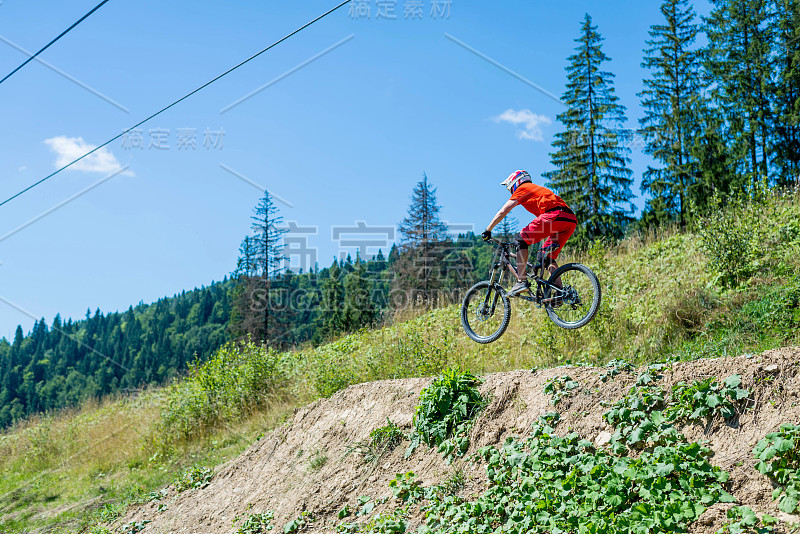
556,226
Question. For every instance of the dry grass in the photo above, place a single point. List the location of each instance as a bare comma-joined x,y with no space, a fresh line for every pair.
55,470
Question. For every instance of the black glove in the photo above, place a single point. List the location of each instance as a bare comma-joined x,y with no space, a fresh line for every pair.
486,235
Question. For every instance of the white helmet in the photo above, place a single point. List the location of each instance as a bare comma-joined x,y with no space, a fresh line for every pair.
516,178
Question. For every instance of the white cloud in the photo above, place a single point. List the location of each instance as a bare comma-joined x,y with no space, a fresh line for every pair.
531,123
68,149
23,168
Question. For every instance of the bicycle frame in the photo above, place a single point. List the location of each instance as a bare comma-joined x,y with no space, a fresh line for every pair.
534,271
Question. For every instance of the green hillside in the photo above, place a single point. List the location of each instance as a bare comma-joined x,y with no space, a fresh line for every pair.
64,363
729,286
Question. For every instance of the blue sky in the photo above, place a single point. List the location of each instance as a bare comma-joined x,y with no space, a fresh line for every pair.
341,140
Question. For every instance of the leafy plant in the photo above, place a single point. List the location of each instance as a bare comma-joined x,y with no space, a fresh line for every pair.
367,505
742,519
615,367
388,435
386,523
549,483
651,374
638,419
646,416
151,496
445,412
258,523
704,399
194,478
778,455
559,387
405,487
455,481
298,523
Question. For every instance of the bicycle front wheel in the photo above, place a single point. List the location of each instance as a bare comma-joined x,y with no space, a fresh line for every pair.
485,312
578,300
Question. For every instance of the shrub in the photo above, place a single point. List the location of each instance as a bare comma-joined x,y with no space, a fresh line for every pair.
445,413
237,380
750,233
449,402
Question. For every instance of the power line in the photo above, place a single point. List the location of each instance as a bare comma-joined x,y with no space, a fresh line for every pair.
159,112
62,34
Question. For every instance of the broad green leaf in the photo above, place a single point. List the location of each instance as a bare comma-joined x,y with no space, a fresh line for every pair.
663,470
733,381
783,444
788,504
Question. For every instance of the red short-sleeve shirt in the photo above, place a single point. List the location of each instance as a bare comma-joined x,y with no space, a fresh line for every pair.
537,199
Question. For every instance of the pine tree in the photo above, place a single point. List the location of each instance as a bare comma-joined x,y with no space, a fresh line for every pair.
591,165
740,34
670,101
422,225
787,91
260,263
417,268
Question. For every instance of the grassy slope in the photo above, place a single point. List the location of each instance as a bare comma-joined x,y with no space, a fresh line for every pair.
665,296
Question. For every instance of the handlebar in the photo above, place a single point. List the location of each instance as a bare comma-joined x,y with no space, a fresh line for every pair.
496,242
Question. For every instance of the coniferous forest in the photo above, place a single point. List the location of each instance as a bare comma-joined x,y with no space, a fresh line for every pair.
721,102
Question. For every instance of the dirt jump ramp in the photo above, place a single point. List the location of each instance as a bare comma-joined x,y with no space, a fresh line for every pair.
279,472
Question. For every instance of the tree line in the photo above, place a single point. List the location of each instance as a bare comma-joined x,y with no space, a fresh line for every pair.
63,363
719,120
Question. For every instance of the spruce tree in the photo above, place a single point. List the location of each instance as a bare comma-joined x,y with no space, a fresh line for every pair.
422,225
591,164
787,91
418,266
739,60
261,261
269,259
670,101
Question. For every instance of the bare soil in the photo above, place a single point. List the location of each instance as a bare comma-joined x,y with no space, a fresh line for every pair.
281,471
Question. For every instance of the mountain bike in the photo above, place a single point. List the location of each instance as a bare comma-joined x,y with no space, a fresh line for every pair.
571,296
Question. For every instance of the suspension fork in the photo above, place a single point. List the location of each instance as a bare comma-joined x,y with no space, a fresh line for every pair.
497,273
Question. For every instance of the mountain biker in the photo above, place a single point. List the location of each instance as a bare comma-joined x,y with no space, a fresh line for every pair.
554,221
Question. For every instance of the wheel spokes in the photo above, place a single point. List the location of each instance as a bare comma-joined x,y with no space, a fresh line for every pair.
483,315
574,301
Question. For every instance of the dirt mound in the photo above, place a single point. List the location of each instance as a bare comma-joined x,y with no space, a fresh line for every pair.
308,463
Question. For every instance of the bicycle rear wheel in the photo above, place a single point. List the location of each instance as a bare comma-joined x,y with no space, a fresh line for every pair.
485,312
577,302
